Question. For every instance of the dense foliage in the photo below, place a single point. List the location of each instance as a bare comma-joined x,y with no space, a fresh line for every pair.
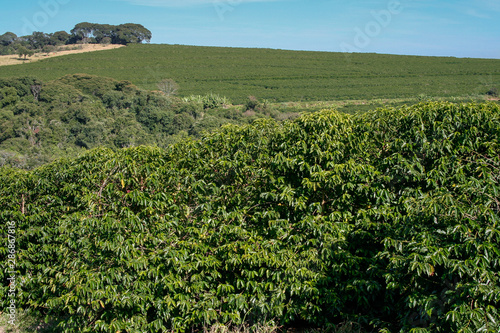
389,219
43,121
116,34
277,75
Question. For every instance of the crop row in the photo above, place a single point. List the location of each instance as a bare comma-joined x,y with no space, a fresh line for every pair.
277,75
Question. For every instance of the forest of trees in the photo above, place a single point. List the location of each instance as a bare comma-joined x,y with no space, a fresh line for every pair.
82,33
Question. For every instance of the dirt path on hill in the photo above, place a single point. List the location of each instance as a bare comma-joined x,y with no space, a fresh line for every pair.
71,49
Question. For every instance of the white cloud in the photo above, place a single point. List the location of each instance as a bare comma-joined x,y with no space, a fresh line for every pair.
191,3
473,12
491,5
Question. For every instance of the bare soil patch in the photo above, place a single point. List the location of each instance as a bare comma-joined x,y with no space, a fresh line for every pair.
65,50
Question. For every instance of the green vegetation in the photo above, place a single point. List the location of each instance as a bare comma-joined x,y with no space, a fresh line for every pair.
27,322
379,221
40,122
82,33
276,75
388,219
105,33
43,121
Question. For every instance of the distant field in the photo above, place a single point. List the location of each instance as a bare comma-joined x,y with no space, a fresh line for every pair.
277,75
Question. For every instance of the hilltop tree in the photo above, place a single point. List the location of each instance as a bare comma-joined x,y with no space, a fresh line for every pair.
59,38
38,40
102,31
83,30
105,41
121,34
131,33
22,51
48,49
7,43
8,38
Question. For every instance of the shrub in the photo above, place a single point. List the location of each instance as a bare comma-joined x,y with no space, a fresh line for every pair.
214,101
8,96
168,86
387,219
252,103
493,92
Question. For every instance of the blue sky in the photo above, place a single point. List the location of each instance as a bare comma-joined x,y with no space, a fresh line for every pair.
459,28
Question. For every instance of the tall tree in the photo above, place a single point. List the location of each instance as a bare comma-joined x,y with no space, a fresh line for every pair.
121,34
83,30
38,40
22,51
131,33
102,31
60,38
8,38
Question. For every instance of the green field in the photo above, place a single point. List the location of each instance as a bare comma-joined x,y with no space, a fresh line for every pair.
277,75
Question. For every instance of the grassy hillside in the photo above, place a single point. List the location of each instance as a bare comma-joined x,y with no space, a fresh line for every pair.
277,75
389,219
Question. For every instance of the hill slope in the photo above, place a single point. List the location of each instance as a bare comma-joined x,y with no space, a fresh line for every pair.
7,60
77,112
276,74
389,219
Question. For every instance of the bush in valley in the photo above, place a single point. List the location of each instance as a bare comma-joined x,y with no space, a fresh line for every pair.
41,121
389,219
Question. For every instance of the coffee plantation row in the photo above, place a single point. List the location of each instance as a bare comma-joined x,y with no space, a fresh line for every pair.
389,219
276,75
